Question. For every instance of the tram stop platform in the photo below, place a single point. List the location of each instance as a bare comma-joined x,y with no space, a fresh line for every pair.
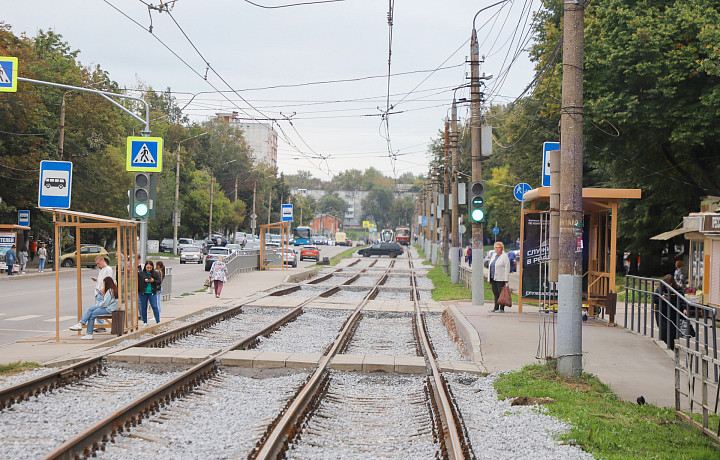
631,364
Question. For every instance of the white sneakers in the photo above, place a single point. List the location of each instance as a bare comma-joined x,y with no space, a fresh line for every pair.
87,337
76,327
143,325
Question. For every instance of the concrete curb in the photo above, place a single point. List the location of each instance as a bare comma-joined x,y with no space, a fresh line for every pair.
468,334
302,276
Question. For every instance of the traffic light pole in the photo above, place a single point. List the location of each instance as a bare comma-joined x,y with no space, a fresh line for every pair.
478,282
455,240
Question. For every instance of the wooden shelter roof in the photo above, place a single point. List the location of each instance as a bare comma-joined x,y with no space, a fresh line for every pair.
13,227
594,199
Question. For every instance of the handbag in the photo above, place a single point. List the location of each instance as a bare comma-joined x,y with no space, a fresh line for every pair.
686,329
505,298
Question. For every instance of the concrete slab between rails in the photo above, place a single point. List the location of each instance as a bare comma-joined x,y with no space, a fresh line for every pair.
347,362
409,364
461,367
270,360
239,358
301,276
378,364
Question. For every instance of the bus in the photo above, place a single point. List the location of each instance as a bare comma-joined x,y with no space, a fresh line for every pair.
301,236
402,235
387,235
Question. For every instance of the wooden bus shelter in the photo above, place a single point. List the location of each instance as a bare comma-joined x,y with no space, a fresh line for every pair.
284,228
126,278
600,208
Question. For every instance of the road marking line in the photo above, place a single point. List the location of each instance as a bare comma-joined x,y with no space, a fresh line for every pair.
62,318
23,318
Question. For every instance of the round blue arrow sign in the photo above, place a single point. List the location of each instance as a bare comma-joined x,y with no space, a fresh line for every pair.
520,190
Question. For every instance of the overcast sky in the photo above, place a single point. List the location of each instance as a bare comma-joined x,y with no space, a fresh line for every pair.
286,62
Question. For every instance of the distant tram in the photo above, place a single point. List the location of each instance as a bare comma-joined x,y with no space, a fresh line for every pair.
402,235
387,235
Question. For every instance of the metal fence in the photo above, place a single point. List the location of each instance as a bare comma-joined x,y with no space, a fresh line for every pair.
466,276
694,389
243,261
655,309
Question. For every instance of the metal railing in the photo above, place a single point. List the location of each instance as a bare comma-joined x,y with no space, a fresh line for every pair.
243,261
466,276
652,306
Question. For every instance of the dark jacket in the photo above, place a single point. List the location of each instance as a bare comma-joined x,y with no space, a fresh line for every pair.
142,285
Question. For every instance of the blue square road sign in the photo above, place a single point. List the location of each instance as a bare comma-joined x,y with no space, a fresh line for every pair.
144,154
55,186
8,74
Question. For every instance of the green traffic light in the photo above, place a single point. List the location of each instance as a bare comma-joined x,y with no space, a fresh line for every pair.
477,215
141,209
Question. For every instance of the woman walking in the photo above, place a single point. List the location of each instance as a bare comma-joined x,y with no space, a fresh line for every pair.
218,275
160,267
499,273
108,304
149,283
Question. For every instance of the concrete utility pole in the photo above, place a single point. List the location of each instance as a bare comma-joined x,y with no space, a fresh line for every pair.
212,187
454,250
61,140
434,227
253,220
446,206
428,205
478,281
569,337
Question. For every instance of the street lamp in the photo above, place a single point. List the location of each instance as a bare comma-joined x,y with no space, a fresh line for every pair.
176,211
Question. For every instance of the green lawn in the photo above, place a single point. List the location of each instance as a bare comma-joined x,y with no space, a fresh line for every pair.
603,424
343,255
17,367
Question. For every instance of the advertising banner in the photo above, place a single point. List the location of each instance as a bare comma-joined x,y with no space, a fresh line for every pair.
7,240
535,249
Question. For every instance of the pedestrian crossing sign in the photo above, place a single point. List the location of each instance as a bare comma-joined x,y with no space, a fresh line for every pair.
144,154
8,74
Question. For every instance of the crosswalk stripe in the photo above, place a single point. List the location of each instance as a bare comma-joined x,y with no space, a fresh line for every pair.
23,318
62,318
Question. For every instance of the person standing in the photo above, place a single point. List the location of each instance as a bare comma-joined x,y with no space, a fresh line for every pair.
498,273
33,249
664,303
160,267
22,260
468,255
149,283
10,259
42,257
108,304
680,277
218,275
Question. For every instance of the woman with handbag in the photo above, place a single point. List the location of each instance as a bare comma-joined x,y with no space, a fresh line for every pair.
218,275
498,274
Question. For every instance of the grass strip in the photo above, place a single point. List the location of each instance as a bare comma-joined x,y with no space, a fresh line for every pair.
17,367
603,424
421,253
343,255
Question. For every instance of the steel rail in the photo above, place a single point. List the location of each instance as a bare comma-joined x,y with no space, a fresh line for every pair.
278,436
454,448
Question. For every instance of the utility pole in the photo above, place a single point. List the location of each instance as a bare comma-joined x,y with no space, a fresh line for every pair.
434,227
177,199
61,140
569,337
252,220
270,205
212,186
456,244
428,227
446,206
478,281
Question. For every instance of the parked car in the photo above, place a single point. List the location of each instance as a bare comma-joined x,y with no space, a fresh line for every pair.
213,254
290,257
251,246
382,249
234,248
274,247
185,242
166,245
488,256
88,253
191,254
310,252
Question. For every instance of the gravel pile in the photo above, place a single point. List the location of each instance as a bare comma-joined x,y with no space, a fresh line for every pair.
393,294
226,333
367,280
307,291
10,380
369,416
334,280
423,282
383,334
498,430
347,293
310,333
397,281
224,421
35,427
424,294
444,347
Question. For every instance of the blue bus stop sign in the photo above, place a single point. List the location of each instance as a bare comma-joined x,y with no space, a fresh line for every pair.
55,184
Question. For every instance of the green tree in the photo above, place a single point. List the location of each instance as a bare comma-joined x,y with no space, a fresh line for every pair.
332,204
377,206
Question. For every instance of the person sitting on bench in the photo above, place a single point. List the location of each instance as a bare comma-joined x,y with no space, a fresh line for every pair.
107,306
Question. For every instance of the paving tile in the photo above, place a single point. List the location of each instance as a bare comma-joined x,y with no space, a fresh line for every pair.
239,358
160,355
302,360
347,362
270,360
410,364
378,363
130,355
194,355
466,366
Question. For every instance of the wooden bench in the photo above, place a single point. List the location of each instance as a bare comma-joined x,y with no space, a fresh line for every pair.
116,321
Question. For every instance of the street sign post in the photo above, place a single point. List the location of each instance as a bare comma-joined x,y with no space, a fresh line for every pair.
520,190
144,154
24,217
496,230
547,147
8,74
287,212
55,186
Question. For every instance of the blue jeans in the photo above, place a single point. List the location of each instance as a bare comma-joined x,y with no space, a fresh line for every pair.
89,317
144,299
159,298
42,264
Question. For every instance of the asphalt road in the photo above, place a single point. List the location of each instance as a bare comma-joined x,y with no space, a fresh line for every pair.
27,302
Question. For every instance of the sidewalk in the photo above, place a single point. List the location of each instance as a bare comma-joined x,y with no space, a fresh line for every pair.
631,364
43,349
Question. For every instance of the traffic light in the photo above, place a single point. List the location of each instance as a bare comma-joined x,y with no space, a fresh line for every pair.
140,200
476,207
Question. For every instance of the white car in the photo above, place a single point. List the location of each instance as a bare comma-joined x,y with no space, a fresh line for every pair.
290,257
234,248
191,254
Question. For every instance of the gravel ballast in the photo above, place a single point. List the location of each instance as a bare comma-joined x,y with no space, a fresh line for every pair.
310,333
383,334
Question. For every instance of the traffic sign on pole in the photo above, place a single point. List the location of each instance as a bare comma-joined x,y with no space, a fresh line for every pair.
55,184
547,147
24,218
144,154
520,190
8,74
287,212
496,230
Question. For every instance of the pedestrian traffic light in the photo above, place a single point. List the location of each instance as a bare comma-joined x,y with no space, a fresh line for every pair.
140,199
476,207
